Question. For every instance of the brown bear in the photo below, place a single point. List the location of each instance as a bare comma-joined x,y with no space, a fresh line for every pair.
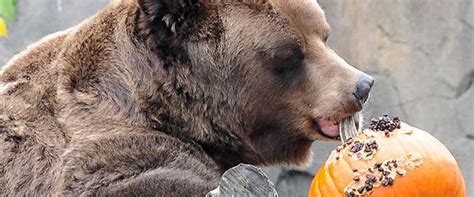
160,97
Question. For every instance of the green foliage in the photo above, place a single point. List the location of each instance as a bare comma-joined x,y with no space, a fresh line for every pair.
7,9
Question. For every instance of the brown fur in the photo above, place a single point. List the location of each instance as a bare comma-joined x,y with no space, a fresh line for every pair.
155,97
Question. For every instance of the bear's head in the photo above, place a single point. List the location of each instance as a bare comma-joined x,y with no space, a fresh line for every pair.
251,81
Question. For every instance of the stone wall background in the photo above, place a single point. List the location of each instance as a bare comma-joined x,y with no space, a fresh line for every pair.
420,52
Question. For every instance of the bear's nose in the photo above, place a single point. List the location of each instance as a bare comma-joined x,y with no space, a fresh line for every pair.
364,85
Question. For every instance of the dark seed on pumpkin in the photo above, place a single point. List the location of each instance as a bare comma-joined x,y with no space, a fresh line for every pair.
386,173
349,140
371,178
375,146
355,170
377,165
360,190
350,193
356,178
369,187
400,173
367,149
390,181
355,148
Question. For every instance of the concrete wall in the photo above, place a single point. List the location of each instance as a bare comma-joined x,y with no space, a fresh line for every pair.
420,52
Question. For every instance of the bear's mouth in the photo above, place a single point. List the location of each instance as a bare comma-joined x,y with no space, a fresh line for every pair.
343,129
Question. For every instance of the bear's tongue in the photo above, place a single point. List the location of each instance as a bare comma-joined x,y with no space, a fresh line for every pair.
329,128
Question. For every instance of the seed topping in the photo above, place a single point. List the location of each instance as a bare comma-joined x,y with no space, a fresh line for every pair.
385,124
366,180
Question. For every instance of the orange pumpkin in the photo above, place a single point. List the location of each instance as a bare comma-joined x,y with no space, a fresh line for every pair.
404,162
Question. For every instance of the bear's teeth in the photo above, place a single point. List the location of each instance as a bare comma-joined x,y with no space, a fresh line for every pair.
348,128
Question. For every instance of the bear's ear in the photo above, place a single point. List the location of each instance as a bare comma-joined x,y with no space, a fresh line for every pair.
162,20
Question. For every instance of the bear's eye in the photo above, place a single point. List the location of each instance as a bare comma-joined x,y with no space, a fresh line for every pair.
325,38
293,59
287,60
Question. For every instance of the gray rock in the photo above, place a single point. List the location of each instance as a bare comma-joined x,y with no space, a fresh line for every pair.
244,180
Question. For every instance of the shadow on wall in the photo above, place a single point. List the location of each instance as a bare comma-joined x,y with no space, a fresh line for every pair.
422,60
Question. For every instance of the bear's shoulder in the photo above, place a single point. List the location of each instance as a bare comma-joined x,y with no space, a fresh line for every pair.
35,58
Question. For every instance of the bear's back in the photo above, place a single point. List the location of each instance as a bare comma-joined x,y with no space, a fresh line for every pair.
27,115
33,137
